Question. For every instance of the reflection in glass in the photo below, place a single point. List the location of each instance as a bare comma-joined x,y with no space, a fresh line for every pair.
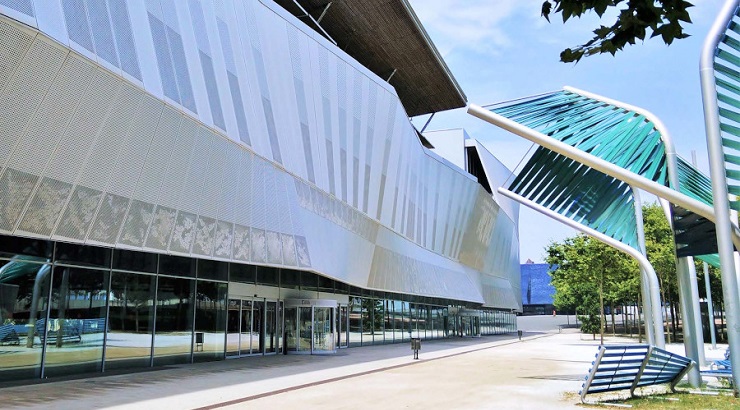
367,321
342,327
131,320
388,321
258,327
323,330
355,321
24,289
76,326
270,328
406,321
210,320
174,331
291,326
305,328
248,342
232,327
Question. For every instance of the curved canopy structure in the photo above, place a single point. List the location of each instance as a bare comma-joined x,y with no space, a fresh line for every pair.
592,150
624,137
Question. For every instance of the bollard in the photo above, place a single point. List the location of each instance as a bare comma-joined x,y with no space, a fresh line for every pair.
416,346
520,334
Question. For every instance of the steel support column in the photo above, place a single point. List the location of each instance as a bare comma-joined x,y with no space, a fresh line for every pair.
719,185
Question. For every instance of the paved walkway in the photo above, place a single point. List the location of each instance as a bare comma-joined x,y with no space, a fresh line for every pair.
543,370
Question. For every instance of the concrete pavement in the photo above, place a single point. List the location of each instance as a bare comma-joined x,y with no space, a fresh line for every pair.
544,370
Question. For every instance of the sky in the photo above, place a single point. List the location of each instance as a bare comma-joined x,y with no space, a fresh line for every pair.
503,49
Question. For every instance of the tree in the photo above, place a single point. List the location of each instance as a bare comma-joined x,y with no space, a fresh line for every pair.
635,20
662,255
590,275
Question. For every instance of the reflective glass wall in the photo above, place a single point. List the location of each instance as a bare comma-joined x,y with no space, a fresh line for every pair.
68,309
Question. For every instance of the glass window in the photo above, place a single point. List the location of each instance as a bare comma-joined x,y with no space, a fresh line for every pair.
406,321
76,326
268,276
355,321
83,255
290,279
388,321
239,272
177,266
341,288
134,261
414,322
24,290
309,281
326,284
210,320
367,321
213,270
173,336
378,316
131,320
17,248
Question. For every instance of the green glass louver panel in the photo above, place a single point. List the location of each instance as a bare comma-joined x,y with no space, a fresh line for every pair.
727,81
622,137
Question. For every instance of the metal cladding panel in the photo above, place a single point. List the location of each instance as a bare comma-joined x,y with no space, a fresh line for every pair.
23,6
243,207
98,169
103,162
155,166
83,129
23,92
14,44
182,153
190,197
136,147
212,186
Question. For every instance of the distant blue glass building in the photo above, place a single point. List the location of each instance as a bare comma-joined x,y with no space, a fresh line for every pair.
537,292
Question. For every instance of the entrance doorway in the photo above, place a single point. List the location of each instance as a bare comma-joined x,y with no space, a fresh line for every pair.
253,327
310,326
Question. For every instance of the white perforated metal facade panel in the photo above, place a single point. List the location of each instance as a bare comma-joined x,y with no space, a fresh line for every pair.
104,162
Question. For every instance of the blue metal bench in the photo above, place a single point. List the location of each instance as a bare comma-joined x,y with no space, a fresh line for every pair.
96,325
628,367
8,335
70,331
721,369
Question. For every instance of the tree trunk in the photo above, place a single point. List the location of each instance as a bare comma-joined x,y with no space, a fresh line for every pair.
667,326
602,317
676,319
624,320
637,317
614,322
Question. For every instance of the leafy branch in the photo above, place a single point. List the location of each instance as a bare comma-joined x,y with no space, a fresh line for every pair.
636,19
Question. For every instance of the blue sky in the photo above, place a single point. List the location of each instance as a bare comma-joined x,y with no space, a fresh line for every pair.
501,50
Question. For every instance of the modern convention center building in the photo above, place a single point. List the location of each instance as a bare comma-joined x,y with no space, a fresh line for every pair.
185,181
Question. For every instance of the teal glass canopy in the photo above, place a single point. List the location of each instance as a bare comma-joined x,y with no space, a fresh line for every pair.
625,138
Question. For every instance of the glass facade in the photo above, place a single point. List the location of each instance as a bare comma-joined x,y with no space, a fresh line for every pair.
68,309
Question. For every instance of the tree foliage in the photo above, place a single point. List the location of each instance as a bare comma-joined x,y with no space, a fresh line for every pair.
636,19
590,274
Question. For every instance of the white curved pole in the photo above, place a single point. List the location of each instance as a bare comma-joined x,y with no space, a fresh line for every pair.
650,298
649,277
719,185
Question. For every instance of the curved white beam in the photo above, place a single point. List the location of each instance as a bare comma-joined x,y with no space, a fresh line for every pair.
649,276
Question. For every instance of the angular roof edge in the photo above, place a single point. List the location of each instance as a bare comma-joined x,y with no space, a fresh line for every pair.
387,37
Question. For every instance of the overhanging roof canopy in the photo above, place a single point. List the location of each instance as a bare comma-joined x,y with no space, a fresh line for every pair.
386,37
